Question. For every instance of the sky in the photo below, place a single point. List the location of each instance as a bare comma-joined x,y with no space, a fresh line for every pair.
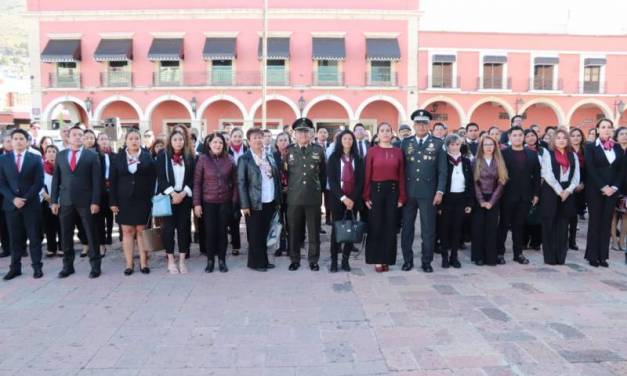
590,17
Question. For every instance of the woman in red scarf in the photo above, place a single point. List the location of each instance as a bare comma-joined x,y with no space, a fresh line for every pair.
577,140
50,222
560,171
345,171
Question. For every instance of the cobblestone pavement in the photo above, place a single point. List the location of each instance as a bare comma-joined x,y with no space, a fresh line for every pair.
506,320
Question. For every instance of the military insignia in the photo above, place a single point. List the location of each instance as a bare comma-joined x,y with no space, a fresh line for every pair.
412,159
315,156
291,157
425,157
430,145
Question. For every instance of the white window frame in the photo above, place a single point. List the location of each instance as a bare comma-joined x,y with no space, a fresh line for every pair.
340,73
181,68
210,73
454,71
582,66
556,73
505,79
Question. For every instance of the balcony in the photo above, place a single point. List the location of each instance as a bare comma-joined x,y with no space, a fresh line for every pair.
592,87
381,78
167,78
545,84
446,83
114,78
64,80
494,83
330,78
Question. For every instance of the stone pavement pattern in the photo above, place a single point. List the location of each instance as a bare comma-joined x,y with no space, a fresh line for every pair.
496,321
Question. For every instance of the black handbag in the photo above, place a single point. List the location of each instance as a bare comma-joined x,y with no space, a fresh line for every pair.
349,230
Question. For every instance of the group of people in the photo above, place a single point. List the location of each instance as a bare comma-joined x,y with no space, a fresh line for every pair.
465,186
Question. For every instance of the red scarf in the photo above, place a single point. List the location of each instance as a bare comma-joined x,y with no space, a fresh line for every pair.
562,160
348,176
236,148
48,167
177,158
454,161
607,144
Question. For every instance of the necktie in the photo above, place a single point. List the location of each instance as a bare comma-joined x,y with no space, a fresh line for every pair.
420,143
303,149
73,160
361,149
18,163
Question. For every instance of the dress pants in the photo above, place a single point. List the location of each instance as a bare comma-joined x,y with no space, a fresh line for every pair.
25,223
181,222
298,216
381,242
215,218
104,220
555,239
600,210
257,227
484,227
69,217
428,217
451,223
51,227
513,216
4,234
233,227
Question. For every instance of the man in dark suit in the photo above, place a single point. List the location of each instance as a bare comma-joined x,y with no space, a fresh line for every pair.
521,192
361,138
516,121
21,180
425,173
76,189
469,149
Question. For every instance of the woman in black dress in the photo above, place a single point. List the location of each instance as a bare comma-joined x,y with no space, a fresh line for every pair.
132,177
104,218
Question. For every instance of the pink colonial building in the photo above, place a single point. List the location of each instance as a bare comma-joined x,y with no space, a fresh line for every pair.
158,63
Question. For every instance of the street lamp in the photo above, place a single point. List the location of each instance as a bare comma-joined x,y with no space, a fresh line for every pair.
301,105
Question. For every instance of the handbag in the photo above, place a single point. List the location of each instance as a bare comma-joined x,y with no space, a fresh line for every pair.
152,239
275,230
349,230
161,204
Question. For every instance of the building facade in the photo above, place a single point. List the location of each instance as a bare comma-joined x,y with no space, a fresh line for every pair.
157,63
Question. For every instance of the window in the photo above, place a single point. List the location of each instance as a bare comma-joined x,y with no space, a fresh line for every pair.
592,79
222,72
169,73
118,74
276,72
543,77
380,72
328,72
492,76
67,75
442,75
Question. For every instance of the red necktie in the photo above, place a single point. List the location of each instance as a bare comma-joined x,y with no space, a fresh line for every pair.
73,160
18,163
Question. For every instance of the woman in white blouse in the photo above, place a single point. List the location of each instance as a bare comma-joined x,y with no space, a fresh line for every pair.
50,223
560,171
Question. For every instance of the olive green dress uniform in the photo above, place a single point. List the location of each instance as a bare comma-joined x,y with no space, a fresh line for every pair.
306,178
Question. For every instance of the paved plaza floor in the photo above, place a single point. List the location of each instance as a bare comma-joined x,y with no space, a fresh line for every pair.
507,320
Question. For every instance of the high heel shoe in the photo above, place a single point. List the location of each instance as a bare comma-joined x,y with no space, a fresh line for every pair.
129,271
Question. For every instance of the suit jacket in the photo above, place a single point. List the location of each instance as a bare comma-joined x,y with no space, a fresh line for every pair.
599,171
334,175
249,181
137,186
425,167
366,144
166,180
523,185
469,191
24,184
80,188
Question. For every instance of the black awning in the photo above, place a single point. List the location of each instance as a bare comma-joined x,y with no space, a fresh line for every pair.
220,49
443,58
166,49
546,60
328,49
384,49
494,59
62,51
114,50
278,48
594,61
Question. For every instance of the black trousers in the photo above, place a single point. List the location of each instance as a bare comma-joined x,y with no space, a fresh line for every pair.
451,223
215,218
69,217
51,228
428,218
299,216
338,210
257,228
25,224
513,216
328,211
484,229
555,239
283,242
233,227
572,229
180,222
104,221
381,242
600,210
4,234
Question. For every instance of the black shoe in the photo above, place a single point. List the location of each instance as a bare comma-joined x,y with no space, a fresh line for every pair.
407,266
12,274
314,266
25,254
37,273
604,264
594,263
51,253
66,272
210,266
333,268
500,260
235,252
94,274
521,260
270,266
479,262
278,253
5,254
345,265
222,266
128,271
84,254
463,246
261,269
294,266
145,270
535,247
323,232
445,262
455,263
427,268
573,246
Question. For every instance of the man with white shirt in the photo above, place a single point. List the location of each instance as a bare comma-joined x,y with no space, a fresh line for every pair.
362,140
472,139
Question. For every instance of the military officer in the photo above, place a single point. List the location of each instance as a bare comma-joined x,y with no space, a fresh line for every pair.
425,174
306,178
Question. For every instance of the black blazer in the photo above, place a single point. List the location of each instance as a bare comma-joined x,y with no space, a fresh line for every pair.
80,188
334,176
523,185
166,181
599,172
249,181
137,186
469,191
26,184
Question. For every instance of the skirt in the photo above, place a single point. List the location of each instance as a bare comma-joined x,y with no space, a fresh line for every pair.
134,212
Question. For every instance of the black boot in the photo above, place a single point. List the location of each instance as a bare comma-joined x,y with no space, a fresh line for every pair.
445,263
210,265
454,261
222,266
12,274
37,272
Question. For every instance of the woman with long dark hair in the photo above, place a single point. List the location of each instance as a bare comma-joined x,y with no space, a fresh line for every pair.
104,218
280,157
577,140
604,164
345,172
